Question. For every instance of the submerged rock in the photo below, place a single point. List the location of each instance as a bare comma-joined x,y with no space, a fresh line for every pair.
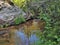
9,12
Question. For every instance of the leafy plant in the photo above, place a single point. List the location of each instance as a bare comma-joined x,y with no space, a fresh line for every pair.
19,19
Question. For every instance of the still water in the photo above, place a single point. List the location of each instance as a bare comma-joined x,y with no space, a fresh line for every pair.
26,35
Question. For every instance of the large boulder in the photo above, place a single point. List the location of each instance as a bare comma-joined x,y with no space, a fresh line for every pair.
9,12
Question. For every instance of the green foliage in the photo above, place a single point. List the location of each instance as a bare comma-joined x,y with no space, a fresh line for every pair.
4,26
21,3
19,19
49,12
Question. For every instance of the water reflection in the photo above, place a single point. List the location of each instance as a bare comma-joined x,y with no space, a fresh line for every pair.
26,33
22,39
33,39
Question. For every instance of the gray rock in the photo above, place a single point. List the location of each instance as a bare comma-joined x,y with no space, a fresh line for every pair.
9,12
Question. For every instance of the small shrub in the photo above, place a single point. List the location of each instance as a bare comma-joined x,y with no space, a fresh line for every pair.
19,19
